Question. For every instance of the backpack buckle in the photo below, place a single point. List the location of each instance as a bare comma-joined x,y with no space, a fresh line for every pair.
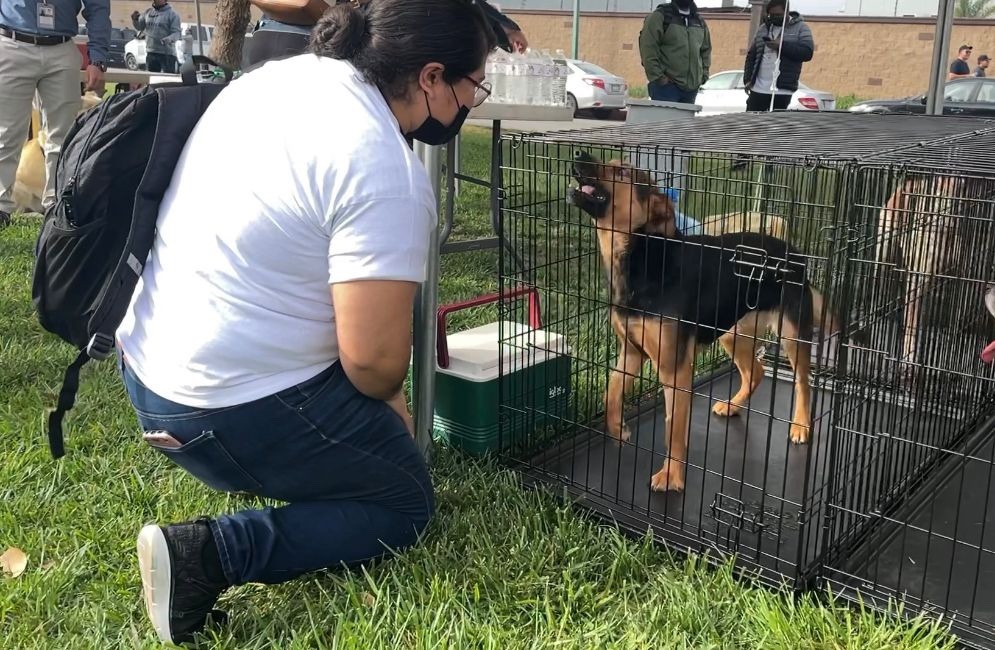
100,346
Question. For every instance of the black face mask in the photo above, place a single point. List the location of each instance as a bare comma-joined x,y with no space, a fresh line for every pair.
775,21
433,132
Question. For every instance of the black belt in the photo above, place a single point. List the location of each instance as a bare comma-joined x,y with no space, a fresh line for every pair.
34,39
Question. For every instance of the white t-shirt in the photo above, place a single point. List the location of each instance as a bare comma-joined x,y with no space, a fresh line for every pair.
765,75
296,176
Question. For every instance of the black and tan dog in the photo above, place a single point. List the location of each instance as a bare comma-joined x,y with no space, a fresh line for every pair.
671,293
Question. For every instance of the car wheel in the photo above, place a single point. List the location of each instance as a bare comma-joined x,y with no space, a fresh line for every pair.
131,62
572,103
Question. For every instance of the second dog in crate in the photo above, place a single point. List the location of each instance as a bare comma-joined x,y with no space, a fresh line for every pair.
671,293
920,233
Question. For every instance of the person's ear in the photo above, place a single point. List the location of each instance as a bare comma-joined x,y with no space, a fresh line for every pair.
430,79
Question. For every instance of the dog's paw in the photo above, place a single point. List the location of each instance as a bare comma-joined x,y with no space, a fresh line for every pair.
799,433
726,409
668,479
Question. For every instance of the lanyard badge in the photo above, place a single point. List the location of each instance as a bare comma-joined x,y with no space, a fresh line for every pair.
46,16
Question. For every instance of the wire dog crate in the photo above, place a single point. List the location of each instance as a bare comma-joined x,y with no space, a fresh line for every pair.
869,398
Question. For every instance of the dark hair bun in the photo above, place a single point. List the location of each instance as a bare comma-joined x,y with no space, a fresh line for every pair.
341,32
389,42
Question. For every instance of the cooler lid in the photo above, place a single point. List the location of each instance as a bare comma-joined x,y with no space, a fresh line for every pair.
473,353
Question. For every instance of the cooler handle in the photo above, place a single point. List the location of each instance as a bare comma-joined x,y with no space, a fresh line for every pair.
442,345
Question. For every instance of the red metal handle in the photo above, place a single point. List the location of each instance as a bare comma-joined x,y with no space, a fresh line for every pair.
442,345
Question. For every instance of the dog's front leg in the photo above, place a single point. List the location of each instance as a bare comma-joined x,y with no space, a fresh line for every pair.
630,360
678,396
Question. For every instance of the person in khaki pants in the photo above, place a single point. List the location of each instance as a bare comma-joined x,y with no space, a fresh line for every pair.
38,55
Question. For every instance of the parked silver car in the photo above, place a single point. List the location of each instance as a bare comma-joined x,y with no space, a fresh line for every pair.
724,93
590,86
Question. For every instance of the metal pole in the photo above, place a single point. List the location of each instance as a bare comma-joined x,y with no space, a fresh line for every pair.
941,45
457,145
575,32
426,306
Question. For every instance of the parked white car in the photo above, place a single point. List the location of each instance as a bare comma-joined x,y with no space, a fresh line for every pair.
592,87
134,51
724,92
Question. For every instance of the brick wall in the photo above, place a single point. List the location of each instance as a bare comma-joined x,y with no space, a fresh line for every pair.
867,57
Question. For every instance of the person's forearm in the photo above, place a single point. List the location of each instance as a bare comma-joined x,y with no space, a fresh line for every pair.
97,14
293,12
399,404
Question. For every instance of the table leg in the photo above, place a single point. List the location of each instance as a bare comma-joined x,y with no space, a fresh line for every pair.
450,207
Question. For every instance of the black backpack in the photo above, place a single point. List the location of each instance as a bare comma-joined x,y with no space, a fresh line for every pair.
116,163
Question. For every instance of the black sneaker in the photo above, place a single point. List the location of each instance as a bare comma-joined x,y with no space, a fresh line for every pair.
181,578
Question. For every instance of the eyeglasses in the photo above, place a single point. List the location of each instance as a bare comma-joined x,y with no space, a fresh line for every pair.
482,92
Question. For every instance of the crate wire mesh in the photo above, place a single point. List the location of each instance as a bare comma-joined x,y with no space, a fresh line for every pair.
893,218
911,504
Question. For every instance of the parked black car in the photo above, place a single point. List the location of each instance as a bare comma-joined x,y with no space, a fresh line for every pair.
968,96
119,38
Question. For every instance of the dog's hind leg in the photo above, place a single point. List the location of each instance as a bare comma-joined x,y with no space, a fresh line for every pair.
799,350
741,343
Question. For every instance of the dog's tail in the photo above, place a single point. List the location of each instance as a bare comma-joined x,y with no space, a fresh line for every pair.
826,318
828,321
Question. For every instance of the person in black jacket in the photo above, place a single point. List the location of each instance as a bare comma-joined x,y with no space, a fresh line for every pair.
767,87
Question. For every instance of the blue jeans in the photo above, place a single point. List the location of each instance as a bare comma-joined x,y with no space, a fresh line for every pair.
670,92
355,484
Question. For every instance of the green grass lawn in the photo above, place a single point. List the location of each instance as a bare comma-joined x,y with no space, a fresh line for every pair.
501,567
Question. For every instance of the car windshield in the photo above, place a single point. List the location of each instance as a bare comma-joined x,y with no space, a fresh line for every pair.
590,68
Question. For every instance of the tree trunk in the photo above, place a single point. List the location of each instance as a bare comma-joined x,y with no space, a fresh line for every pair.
231,20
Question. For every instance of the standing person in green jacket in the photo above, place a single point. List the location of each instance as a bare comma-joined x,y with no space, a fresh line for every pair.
676,51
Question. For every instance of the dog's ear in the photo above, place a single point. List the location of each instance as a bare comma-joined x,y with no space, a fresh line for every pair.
618,170
661,209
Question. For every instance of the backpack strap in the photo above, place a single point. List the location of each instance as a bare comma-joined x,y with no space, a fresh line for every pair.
667,16
67,398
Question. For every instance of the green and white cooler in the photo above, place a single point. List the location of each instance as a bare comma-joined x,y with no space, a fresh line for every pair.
471,385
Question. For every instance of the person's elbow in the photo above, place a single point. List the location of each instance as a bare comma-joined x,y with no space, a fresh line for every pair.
378,374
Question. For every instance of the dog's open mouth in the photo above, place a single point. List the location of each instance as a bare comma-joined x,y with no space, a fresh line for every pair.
588,193
592,192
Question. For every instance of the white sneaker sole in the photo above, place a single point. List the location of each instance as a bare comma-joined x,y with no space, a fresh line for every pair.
153,562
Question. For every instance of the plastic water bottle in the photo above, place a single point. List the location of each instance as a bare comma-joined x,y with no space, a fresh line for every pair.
518,81
560,81
545,95
497,73
530,80
553,71
489,73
